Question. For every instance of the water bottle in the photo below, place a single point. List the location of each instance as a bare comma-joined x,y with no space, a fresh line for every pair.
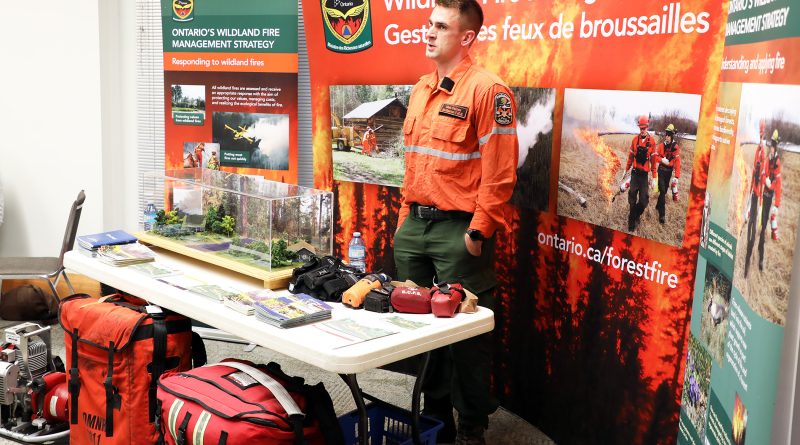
149,216
357,252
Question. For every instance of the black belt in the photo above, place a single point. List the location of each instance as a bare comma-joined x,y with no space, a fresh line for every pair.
433,214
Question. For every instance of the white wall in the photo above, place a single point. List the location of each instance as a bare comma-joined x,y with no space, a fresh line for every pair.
67,115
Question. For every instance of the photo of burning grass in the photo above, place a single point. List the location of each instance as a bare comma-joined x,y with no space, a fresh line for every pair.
716,307
598,129
763,276
739,432
696,385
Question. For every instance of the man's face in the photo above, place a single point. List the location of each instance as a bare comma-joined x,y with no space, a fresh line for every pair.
444,35
668,138
643,131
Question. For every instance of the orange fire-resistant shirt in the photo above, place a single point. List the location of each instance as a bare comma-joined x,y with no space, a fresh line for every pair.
461,146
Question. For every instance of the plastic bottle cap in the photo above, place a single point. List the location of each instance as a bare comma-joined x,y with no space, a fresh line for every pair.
356,233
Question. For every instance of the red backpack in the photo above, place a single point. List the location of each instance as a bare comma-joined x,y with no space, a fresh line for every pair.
116,348
236,402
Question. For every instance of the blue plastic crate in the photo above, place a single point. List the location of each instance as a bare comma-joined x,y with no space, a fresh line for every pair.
389,425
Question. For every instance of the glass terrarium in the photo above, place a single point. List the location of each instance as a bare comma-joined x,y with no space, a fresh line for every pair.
245,223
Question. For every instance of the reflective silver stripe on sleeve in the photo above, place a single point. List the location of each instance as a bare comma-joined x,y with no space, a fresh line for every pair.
496,130
443,154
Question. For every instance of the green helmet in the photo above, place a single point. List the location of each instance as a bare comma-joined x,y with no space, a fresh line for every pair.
775,137
670,129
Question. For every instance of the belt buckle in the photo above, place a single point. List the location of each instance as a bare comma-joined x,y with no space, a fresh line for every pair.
424,212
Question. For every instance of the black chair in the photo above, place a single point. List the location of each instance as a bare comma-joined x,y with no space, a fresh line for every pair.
46,268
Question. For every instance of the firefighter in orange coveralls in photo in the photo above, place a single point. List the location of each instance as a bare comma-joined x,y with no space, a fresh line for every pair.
771,196
368,142
668,157
461,151
756,191
641,157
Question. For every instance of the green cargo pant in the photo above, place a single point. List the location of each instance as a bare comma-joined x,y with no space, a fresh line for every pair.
425,251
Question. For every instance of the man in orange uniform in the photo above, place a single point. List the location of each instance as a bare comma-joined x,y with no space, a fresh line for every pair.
641,157
461,154
368,142
770,198
668,156
756,190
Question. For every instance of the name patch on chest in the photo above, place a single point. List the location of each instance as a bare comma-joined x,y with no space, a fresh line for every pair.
456,111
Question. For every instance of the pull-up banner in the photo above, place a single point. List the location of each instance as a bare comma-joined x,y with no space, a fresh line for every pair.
750,215
596,281
230,86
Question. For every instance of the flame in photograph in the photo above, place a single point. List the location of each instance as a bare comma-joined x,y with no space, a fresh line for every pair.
610,160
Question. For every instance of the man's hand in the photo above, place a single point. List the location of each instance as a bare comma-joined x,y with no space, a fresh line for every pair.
773,211
665,161
768,183
473,247
654,183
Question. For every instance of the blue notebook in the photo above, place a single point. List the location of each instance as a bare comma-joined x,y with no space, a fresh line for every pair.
111,238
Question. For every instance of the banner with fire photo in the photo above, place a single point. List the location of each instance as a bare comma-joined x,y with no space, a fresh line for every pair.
742,355
230,86
616,114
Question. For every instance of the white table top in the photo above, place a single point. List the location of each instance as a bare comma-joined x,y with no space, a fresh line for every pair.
307,343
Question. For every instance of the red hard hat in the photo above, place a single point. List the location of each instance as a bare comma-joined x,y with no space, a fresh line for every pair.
643,121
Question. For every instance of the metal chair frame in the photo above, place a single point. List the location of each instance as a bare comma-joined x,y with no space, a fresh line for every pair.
66,245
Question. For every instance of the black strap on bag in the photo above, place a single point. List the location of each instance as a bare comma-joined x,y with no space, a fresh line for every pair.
74,385
199,357
223,438
113,399
181,433
159,360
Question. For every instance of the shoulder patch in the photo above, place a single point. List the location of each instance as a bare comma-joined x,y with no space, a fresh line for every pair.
456,111
503,113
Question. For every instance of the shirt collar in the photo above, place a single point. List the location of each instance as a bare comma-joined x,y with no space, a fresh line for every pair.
448,83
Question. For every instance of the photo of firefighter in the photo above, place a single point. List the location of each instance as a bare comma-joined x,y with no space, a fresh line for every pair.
201,154
626,160
696,385
739,421
367,133
763,207
716,306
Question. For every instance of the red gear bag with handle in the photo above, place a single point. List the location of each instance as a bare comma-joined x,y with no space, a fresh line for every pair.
234,402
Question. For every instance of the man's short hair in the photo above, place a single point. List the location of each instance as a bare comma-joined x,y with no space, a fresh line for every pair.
470,13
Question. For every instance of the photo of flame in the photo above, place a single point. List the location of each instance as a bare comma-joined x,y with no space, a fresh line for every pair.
739,421
581,350
599,128
765,111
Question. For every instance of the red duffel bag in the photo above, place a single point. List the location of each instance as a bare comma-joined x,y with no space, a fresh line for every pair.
232,403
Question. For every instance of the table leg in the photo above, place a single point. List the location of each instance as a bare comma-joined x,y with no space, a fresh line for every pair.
415,396
358,397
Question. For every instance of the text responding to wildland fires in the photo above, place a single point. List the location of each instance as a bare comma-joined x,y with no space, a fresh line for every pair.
606,256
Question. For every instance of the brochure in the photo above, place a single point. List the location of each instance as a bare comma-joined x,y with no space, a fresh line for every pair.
291,310
155,269
111,238
125,254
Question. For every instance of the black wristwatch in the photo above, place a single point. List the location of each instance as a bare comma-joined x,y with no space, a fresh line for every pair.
475,235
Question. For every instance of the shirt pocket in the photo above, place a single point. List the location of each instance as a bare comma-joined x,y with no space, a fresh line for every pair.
408,129
450,150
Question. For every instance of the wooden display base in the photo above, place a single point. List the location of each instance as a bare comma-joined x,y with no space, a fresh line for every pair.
272,279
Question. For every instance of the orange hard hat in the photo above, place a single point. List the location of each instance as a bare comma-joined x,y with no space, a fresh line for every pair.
643,121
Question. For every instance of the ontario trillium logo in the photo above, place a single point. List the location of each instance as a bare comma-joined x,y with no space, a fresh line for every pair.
347,25
182,10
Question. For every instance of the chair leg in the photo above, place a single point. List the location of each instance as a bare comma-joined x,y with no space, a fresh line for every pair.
55,292
66,278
